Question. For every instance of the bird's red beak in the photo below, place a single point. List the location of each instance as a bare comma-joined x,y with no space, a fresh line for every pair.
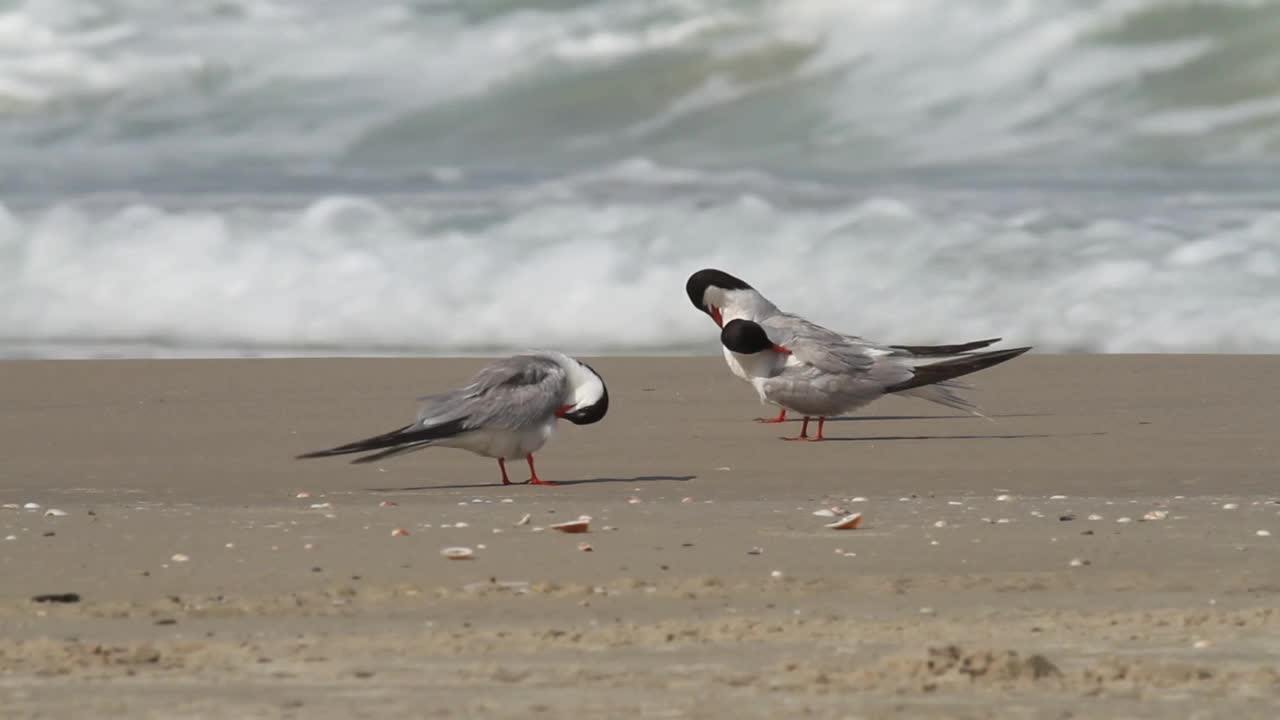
781,349
715,315
560,411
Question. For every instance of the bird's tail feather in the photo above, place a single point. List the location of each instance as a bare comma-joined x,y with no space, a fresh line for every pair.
934,350
945,393
394,442
945,371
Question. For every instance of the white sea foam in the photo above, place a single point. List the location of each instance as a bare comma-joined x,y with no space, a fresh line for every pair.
362,275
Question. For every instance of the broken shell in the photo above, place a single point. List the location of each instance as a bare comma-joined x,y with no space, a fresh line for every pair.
581,525
1004,497
320,506
179,557
31,506
824,513
302,495
55,512
387,503
686,500
1156,515
458,553
848,522
1263,533
399,532
524,520
1230,506
585,547
756,551
633,500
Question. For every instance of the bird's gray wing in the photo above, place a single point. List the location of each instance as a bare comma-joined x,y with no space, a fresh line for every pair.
511,394
824,349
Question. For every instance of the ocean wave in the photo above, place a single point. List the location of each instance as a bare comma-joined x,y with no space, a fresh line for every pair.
137,90
371,275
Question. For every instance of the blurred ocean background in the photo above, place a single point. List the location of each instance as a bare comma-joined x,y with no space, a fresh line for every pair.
289,177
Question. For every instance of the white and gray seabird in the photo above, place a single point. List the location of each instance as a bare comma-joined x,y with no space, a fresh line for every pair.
726,298
817,377
508,410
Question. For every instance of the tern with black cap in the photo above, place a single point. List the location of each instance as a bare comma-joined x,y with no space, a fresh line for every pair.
725,298
508,410
818,378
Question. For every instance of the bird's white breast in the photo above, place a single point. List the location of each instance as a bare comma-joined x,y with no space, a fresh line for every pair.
497,443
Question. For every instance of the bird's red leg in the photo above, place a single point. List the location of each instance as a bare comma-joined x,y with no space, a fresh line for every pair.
533,475
821,420
502,465
804,431
782,416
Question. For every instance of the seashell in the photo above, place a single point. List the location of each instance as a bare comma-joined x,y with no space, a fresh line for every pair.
585,547
1156,515
824,513
302,495
581,525
399,532
524,520
848,522
55,512
458,553
179,557
387,503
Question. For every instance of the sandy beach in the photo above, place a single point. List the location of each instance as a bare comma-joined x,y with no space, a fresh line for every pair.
1106,544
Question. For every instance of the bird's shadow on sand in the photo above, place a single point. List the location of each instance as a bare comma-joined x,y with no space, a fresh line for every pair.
864,418
585,481
888,438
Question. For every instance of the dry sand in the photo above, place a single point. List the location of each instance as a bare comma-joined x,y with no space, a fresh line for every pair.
712,590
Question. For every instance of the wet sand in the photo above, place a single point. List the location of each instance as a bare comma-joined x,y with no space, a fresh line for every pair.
1098,548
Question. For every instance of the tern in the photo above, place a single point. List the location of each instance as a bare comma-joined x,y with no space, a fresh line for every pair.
817,377
726,298
508,410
